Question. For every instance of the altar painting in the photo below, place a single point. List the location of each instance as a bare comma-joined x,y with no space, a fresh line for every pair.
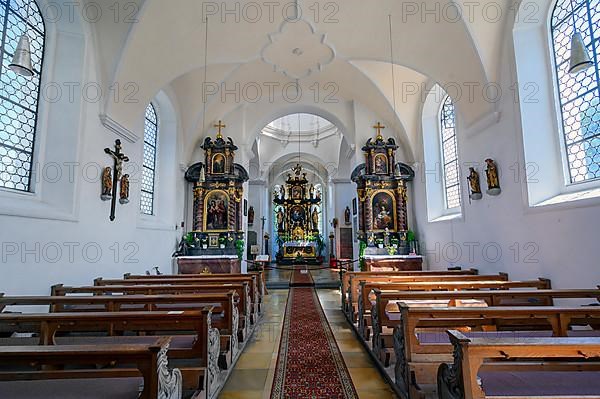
384,206
298,215
218,164
381,164
215,215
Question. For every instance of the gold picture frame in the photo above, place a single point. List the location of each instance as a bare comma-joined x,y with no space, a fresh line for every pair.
216,211
379,215
219,163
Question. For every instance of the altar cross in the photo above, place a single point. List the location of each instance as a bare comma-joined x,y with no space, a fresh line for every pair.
118,159
379,128
220,126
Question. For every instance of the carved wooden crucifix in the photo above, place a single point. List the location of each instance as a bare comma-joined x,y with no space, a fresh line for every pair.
118,159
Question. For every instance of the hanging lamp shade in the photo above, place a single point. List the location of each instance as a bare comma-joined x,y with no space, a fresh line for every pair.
21,62
580,58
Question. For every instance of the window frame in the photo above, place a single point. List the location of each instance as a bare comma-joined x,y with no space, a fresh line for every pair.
37,79
154,146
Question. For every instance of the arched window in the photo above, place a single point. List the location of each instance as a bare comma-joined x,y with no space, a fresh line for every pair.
149,163
449,154
578,94
19,95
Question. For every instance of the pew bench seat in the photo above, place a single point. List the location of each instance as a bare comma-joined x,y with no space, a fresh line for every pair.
29,372
89,388
540,383
527,368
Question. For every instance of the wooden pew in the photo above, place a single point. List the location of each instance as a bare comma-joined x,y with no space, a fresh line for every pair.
251,279
195,344
150,363
355,283
531,367
259,275
242,291
421,345
348,277
226,320
385,314
365,304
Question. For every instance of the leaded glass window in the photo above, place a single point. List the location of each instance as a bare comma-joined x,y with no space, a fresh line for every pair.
449,154
149,163
578,94
19,95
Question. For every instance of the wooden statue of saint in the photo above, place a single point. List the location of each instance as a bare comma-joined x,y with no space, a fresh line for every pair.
251,216
124,191
107,184
474,184
347,216
493,180
280,218
315,219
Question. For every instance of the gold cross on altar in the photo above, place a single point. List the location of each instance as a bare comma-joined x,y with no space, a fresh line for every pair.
379,128
220,126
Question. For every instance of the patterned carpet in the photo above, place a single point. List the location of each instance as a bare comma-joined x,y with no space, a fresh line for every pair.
301,278
310,365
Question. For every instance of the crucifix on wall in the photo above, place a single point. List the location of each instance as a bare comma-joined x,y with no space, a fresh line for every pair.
109,186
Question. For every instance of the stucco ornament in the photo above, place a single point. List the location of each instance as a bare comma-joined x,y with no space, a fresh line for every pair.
297,50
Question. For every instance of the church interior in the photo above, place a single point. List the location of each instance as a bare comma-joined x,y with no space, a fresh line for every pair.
299,200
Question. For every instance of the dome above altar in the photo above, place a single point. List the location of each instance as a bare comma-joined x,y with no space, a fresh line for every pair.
309,127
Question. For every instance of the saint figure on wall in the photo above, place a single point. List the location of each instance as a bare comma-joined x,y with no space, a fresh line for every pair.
280,219
217,203
315,219
383,211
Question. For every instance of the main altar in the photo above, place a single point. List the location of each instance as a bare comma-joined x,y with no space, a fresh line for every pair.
382,190
216,242
297,209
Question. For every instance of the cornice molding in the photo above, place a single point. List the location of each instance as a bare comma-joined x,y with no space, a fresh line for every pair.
117,128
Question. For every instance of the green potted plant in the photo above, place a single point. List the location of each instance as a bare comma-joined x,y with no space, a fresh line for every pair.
222,242
239,246
361,256
379,242
412,242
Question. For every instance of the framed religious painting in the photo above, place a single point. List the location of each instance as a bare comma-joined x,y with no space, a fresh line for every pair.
218,164
381,164
384,211
296,192
298,214
216,204
213,240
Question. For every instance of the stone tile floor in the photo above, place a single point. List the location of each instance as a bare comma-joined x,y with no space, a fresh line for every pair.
253,374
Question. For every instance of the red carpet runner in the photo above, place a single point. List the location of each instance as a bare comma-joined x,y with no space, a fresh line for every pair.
310,365
301,278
